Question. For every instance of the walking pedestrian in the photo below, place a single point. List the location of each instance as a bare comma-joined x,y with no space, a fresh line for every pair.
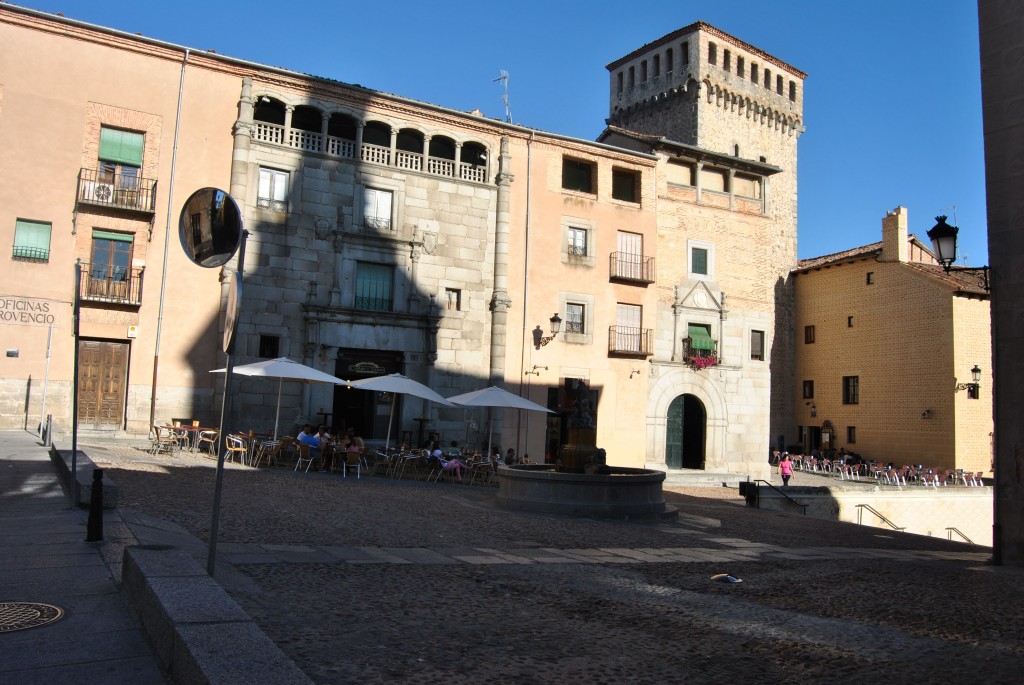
785,469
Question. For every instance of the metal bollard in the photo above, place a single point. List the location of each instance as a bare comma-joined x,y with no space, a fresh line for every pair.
94,529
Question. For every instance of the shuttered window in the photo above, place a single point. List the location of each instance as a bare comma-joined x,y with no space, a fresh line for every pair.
32,240
121,147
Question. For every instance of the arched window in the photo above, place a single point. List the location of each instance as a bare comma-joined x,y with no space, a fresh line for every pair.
269,110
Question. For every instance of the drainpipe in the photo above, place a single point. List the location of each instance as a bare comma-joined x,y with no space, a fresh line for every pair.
167,245
526,298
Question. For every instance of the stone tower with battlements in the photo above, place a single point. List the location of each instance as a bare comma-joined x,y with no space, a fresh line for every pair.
701,87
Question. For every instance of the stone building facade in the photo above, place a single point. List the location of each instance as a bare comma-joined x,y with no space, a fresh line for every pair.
886,341
389,235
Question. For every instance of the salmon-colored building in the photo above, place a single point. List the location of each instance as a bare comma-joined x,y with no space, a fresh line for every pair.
646,272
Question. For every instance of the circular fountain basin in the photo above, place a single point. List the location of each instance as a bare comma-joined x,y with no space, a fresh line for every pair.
623,493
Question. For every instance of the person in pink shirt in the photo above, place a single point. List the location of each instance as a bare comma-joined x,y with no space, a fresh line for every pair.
785,469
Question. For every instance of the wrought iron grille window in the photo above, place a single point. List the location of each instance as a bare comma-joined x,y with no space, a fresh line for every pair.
374,286
577,246
273,190
575,318
377,206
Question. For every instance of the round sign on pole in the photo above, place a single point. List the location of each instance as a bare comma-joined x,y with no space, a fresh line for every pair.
234,306
210,227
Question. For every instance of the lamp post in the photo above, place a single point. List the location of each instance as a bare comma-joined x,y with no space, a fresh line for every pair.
539,339
943,237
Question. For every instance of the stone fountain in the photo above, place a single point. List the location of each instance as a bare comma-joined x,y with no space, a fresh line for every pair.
581,483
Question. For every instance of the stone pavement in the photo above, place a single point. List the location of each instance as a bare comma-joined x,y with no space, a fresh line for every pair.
46,561
378,580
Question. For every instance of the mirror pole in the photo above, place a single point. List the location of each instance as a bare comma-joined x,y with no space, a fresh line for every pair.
211,558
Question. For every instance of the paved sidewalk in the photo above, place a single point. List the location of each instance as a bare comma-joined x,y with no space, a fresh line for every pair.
47,561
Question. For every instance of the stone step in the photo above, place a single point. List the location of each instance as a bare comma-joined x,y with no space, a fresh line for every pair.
695,477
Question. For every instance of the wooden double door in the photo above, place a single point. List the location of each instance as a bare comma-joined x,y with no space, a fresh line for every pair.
102,379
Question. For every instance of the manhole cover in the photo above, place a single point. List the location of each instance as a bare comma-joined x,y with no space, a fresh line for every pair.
22,615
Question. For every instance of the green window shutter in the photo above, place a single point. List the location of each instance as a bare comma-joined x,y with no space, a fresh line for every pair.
700,339
107,235
699,259
123,147
31,239
374,284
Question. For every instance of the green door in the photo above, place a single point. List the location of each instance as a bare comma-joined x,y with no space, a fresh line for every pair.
685,430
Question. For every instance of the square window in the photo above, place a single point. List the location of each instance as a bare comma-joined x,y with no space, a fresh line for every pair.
575,318
377,209
851,435
578,175
712,53
699,261
270,346
757,345
577,246
727,60
869,279
453,299
808,390
273,190
851,389
740,70
849,322
625,185
32,240
808,335
374,286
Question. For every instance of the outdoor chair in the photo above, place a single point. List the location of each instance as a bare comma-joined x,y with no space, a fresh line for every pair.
978,479
307,455
210,439
236,447
351,459
483,469
164,440
268,451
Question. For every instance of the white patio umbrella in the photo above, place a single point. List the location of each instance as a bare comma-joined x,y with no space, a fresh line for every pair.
495,397
397,384
284,369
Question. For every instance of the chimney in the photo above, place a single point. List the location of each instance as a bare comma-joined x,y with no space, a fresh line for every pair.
894,235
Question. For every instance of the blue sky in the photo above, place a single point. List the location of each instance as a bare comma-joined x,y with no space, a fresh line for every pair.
892,99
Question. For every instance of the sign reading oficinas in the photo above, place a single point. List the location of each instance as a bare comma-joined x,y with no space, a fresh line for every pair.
25,310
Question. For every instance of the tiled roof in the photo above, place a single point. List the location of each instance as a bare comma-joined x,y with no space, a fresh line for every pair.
965,279
872,250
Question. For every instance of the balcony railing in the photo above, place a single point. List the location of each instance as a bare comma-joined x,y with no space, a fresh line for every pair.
627,341
310,141
117,191
113,284
699,358
635,268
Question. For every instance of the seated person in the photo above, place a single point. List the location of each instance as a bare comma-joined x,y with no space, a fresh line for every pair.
353,443
454,450
306,437
510,457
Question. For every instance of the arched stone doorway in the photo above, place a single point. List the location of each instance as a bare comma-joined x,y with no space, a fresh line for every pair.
686,433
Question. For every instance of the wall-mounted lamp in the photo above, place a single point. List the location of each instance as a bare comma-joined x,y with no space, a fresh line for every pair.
943,237
635,372
535,370
926,414
814,408
539,339
971,388
264,99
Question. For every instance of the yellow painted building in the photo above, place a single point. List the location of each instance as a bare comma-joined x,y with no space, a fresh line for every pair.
886,341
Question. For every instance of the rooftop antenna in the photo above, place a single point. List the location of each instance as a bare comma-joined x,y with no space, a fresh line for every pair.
503,78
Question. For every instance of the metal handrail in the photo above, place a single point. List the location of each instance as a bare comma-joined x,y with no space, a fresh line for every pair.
803,507
952,529
860,512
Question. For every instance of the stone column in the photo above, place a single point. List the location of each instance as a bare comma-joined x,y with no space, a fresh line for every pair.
500,301
338,242
456,171
288,109
732,188
426,151
394,146
696,180
325,119
358,152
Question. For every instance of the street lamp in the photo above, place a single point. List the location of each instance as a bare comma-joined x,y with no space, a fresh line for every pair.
943,237
539,339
